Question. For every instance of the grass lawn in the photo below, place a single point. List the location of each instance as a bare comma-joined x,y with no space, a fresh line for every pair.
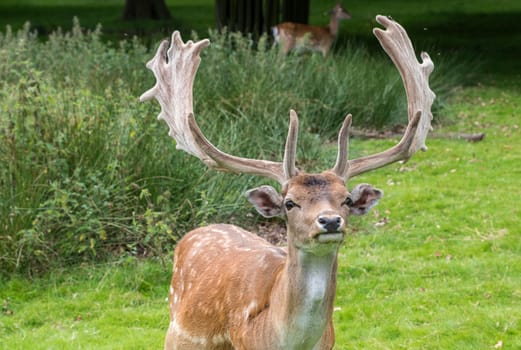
435,266
444,272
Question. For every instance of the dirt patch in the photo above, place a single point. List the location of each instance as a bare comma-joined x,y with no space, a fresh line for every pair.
273,232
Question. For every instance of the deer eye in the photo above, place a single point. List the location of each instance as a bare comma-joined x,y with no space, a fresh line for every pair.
289,204
348,202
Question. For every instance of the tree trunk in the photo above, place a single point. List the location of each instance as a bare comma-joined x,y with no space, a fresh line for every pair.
258,16
295,11
272,15
145,9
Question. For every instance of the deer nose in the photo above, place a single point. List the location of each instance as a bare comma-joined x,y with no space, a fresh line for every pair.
329,223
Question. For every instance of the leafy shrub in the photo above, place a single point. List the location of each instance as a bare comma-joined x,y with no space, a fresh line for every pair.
86,172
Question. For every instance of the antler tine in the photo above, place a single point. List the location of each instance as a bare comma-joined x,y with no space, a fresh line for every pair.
175,68
290,151
342,160
415,77
227,162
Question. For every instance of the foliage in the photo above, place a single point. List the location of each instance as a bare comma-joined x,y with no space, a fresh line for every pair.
75,184
87,173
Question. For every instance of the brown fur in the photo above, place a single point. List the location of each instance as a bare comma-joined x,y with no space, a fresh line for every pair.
233,290
320,38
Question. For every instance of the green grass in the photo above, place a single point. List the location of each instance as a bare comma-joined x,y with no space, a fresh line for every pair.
443,273
116,306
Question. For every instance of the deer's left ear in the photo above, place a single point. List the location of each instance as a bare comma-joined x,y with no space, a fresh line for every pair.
266,200
363,198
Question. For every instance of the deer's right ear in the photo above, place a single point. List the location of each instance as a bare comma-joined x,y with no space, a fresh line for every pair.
266,200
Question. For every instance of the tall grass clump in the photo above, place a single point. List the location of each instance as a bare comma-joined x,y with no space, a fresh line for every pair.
86,172
76,184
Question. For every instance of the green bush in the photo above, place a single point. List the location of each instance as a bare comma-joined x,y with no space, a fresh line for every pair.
87,172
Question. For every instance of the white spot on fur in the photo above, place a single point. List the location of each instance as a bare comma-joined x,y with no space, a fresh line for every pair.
175,328
220,339
197,246
275,32
247,312
220,231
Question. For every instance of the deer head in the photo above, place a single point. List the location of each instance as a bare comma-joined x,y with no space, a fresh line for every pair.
339,12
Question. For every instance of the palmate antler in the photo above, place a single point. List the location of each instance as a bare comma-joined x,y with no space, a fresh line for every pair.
415,77
175,67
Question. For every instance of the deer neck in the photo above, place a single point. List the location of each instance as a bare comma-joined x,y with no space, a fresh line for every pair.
305,296
334,23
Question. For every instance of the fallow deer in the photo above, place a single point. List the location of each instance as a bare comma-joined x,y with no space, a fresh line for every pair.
318,38
231,289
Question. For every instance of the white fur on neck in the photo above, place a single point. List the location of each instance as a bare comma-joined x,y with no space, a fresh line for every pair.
309,318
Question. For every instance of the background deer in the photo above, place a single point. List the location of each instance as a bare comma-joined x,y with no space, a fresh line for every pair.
319,38
233,290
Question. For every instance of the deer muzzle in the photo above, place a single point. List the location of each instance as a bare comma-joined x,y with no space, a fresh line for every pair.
330,228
